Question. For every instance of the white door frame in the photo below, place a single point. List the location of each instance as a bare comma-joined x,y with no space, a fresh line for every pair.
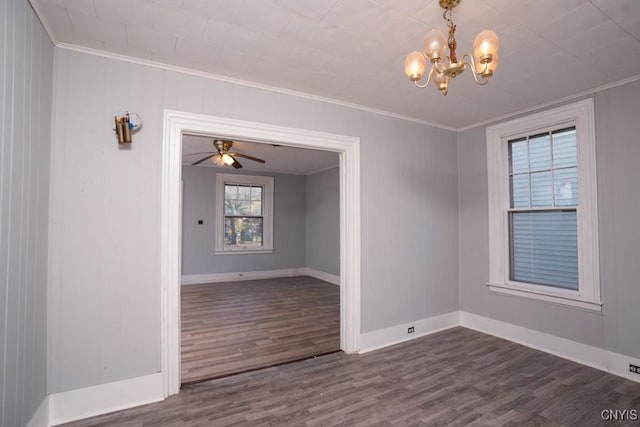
176,123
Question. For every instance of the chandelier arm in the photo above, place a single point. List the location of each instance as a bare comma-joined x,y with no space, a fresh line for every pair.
475,75
428,79
439,66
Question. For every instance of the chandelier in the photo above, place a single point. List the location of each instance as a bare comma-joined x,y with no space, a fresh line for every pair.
445,68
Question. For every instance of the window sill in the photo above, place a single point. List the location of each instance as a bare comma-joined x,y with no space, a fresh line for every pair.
244,252
567,298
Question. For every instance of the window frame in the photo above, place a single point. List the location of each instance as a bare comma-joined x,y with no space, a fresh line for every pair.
581,115
266,182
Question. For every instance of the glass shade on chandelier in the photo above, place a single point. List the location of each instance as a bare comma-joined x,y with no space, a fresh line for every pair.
485,52
443,68
434,45
414,65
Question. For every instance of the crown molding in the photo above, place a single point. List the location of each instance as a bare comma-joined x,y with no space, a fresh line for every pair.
37,9
163,66
212,76
322,170
555,102
249,169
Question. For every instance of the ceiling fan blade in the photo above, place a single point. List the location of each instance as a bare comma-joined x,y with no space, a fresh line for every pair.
203,159
255,159
236,164
203,152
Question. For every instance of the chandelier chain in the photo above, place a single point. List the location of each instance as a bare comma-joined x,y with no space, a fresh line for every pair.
452,38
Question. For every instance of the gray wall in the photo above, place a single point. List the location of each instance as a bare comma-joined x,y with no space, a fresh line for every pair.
25,126
323,221
618,156
105,267
198,241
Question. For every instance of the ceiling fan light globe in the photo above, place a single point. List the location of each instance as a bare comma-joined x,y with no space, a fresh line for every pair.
217,160
227,159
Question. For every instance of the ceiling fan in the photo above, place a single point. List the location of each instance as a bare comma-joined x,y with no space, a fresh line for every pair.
224,157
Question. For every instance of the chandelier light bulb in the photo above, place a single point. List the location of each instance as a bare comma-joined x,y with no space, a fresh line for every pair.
414,65
441,81
485,46
487,69
434,45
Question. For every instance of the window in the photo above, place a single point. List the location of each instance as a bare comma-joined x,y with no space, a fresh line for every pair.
542,207
543,193
244,222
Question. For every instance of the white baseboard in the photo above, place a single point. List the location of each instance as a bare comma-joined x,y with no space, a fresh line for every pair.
104,398
321,275
598,358
604,360
41,416
195,279
396,334
101,399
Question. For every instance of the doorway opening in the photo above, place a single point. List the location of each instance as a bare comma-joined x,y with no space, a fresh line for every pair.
176,124
260,256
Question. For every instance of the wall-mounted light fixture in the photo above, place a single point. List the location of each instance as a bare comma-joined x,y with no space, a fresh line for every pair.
125,125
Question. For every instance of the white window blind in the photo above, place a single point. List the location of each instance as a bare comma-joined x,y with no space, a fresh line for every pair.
543,190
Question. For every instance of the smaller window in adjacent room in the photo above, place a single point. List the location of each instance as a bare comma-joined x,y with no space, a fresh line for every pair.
542,207
244,221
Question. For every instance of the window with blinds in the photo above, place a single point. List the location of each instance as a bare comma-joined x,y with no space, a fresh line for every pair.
543,190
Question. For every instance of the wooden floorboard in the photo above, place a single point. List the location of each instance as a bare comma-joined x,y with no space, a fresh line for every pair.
240,326
457,377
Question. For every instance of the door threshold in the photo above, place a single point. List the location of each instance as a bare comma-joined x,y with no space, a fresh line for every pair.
273,365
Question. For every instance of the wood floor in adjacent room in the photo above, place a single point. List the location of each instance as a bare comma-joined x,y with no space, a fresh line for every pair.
239,326
457,377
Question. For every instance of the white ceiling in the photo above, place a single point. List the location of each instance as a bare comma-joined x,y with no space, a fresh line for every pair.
353,50
282,159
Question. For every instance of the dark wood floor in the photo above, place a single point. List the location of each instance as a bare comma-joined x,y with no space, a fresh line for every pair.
238,326
457,377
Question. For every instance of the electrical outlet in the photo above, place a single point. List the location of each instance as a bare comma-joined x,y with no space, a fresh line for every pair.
411,330
634,368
